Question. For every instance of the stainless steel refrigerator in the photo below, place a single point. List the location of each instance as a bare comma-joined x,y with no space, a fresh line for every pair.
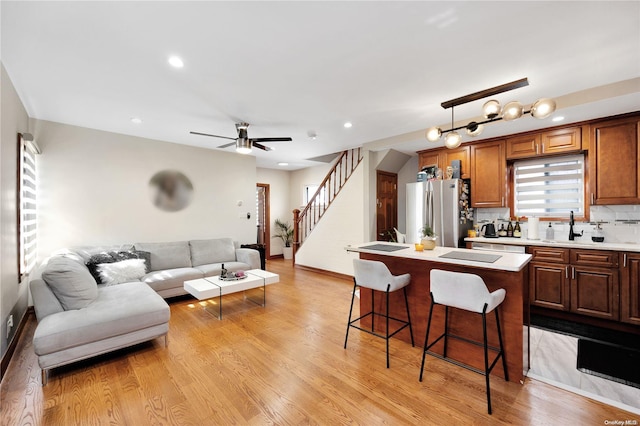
442,204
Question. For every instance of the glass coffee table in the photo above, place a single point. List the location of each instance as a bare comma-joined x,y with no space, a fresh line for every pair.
212,287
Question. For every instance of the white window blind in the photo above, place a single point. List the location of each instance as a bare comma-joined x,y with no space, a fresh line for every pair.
27,205
549,187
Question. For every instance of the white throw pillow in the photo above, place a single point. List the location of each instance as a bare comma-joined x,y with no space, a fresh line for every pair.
121,272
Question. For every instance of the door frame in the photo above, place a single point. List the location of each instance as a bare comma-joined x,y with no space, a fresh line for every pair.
395,218
267,218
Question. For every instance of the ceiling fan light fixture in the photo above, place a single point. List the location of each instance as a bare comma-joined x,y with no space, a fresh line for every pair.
243,146
543,108
491,109
433,134
512,111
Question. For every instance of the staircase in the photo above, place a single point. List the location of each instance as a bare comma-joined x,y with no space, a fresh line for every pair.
304,221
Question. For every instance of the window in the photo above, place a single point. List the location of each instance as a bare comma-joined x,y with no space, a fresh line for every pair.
549,187
27,231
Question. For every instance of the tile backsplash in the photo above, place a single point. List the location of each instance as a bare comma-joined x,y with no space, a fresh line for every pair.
620,224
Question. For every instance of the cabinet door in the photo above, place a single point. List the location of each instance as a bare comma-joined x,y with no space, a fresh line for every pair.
561,141
462,154
523,147
428,158
630,288
549,286
595,292
488,174
613,162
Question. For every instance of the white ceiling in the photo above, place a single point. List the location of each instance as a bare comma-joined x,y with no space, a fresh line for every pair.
288,68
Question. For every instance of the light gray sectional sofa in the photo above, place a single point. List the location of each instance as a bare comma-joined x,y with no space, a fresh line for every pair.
79,318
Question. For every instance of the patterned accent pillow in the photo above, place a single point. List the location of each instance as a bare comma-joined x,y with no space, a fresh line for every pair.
116,256
123,271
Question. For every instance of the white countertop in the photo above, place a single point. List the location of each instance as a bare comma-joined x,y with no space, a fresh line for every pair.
586,244
512,262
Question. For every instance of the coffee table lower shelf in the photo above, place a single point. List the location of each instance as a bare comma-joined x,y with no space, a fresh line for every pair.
214,287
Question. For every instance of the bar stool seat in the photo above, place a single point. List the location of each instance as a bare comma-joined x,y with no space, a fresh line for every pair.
467,292
376,276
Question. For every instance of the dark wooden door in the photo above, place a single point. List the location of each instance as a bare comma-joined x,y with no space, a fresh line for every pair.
630,288
549,286
263,217
386,205
595,292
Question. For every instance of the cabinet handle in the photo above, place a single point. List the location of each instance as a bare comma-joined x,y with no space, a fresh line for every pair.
624,260
542,149
592,199
536,148
502,202
566,272
573,273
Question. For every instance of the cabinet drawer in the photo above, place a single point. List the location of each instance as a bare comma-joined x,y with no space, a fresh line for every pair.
594,258
550,254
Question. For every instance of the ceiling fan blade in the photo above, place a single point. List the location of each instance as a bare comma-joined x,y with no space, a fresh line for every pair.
213,136
272,139
227,145
260,146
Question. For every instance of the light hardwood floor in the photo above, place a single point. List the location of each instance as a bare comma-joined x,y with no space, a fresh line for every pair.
282,364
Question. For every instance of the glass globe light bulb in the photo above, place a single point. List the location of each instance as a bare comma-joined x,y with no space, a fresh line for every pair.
491,109
512,111
474,129
433,134
543,108
452,140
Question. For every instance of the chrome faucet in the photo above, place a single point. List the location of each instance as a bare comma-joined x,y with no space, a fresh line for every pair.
572,234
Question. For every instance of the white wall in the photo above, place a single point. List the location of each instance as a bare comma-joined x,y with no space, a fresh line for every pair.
13,295
303,177
408,173
340,226
279,204
94,187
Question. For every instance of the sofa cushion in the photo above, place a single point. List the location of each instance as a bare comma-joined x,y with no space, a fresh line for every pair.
116,311
71,282
167,255
121,272
204,252
170,278
214,269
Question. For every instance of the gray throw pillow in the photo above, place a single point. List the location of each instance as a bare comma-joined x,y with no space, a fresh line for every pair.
71,282
167,255
206,252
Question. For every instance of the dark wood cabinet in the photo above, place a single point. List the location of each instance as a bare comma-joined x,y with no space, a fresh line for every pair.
460,153
523,146
614,155
488,174
558,141
630,288
595,292
575,280
429,158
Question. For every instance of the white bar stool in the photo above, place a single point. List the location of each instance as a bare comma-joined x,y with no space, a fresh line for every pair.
467,292
376,276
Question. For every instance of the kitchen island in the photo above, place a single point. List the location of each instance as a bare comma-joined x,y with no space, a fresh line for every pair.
497,269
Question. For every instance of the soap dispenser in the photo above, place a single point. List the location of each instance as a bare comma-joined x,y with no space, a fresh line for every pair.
549,232
598,234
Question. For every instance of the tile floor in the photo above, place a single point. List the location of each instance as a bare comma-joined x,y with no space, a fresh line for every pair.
553,360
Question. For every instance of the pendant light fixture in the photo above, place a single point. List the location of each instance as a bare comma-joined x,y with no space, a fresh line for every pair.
491,110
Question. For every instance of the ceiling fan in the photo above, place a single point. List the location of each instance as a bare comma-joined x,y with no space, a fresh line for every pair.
242,142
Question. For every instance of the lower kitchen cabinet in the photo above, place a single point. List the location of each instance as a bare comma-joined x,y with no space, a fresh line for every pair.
549,286
630,288
595,292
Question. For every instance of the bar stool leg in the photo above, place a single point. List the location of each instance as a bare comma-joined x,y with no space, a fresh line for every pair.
373,315
446,330
426,340
486,357
406,303
504,360
353,296
387,315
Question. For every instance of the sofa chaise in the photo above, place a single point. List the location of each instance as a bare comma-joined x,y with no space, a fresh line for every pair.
79,318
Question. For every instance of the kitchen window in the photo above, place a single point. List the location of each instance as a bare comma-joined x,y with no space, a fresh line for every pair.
27,189
549,187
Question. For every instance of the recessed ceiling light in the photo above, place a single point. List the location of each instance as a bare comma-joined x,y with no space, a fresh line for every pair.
558,118
348,125
283,164
136,120
176,62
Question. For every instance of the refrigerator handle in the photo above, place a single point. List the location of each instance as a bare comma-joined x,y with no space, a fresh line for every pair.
429,209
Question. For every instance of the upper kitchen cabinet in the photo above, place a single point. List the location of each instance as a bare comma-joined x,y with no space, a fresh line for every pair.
462,154
429,158
614,154
488,174
558,141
